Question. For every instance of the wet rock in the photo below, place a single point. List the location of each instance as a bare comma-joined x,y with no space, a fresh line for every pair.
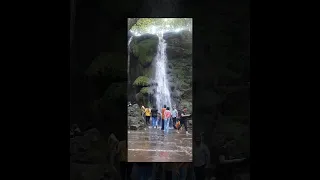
145,37
187,104
133,127
179,50
129,35
136,123
135,120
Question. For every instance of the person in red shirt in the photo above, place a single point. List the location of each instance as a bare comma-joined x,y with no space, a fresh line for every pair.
167,114
162,116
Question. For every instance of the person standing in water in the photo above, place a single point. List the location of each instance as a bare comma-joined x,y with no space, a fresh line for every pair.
148,114
159,119
162,116
174,115
154,114
183,120
167,116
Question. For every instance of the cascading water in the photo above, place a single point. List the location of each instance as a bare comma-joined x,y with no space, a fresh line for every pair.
162,94
128,68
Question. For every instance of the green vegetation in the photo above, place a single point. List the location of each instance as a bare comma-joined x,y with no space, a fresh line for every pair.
143,24
141,81
144,90
147,72
145,50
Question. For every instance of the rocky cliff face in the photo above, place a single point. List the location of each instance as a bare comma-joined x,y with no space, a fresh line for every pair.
143,49
135,120
179,69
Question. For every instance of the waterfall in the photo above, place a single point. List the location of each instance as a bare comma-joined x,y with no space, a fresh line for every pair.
162,93
128,68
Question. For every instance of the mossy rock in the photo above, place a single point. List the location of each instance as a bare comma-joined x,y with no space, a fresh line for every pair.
187,46
187,104
186,35
180,73
148,72
146,91
142,81
145,49
141,98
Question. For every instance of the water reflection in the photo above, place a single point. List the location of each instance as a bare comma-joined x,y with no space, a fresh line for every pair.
153,145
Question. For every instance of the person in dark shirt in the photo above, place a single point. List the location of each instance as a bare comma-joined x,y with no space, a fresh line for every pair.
183,120
154,114
225,165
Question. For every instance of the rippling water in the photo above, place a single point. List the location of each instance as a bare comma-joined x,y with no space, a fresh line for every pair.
154,145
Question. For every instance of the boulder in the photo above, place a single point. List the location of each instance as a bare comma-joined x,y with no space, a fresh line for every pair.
135,120
145,48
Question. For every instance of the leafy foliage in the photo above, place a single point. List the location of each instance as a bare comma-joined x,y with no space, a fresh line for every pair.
144,90
145,50
148,72
143,24
132,21
141,81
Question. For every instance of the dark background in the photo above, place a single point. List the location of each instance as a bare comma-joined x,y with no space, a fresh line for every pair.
221,32
37,141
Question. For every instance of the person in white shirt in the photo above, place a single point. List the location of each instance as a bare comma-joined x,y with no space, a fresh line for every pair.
174,115
201,158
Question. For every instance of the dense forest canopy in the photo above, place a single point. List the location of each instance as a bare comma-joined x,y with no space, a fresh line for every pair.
155,25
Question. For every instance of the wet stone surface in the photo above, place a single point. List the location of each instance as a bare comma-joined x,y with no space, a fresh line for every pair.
154,145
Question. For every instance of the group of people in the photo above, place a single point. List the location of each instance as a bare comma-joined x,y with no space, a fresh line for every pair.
165,117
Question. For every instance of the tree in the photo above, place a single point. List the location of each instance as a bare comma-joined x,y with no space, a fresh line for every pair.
143,25
132,22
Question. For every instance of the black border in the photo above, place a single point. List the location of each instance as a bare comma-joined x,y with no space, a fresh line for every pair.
198,11
47,71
